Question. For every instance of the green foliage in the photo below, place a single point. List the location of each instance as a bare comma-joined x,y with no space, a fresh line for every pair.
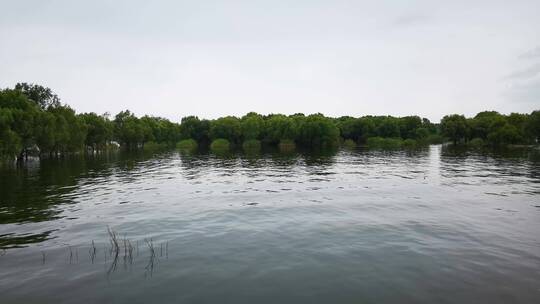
349,128
192,127
188,145
484,123
384,143
228,128
32,118
32,115
133,132
388,127
252,126
279,127
409,127
41,121
160,130
70,130
349,143
19,115
433,139
251,145
496,129
153,146
476,143
99,130
504,135
127,130
455,127
42,96
532,126
317,131
409,143
220,145
286,145
519,121
421,134
10,143
367,127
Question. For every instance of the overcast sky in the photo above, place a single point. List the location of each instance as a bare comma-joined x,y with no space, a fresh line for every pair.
216,58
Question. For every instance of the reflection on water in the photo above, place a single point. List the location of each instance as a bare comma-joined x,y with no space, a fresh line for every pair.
428,225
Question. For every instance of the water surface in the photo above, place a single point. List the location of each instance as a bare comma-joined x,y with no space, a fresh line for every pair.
433,225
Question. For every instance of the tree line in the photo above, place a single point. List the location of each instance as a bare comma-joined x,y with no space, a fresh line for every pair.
33,120
492,128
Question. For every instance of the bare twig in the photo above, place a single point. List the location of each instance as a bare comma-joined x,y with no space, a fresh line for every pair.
150,266
130,252
113,239
115,248
92,252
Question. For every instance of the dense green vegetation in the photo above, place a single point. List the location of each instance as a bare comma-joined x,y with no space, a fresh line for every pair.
34,121
491,128
251,145
188,145
220,145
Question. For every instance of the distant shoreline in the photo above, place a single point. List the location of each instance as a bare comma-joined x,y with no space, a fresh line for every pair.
34,122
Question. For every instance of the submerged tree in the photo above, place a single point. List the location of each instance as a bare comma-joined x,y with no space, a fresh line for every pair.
33,119
280,127
228,128
317,131
252,125
454,127
191,127
127,129
99,130
532,126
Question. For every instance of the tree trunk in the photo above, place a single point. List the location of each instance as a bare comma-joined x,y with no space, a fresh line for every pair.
20,158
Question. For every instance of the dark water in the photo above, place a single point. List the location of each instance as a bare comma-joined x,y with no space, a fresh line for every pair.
429,226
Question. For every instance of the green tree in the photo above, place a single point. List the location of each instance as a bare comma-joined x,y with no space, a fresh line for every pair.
280,127
160,130
127,130
484,123
454,127
532,126
507,134
22,116
99,130
408,126
42,96
10,142
70,129
252,126
192,127
367,128
45,132
388,127
228,127
349,128
318,131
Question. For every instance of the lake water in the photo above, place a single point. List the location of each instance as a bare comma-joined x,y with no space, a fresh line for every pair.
428,226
